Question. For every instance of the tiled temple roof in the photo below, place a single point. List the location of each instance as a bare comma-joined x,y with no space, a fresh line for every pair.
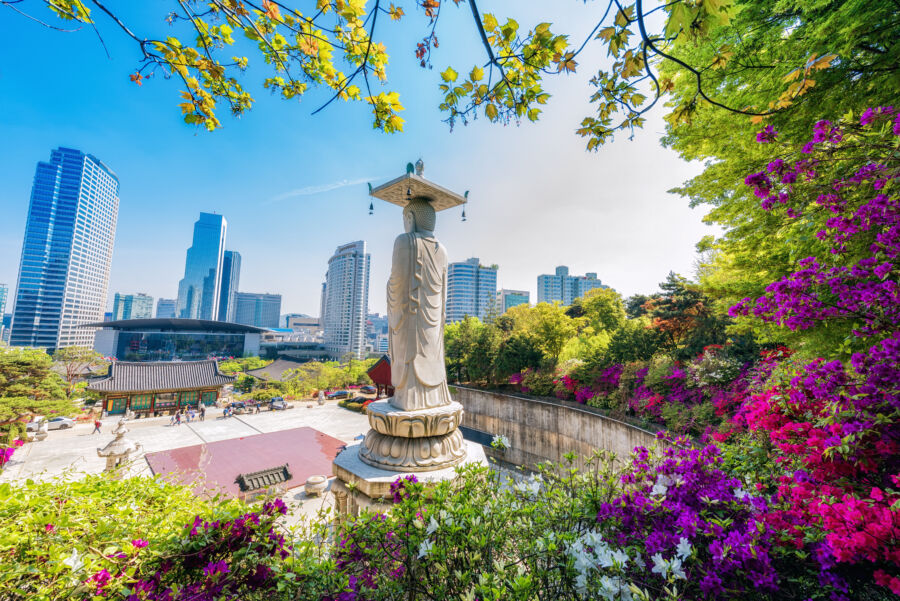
275,371
126,376
252,481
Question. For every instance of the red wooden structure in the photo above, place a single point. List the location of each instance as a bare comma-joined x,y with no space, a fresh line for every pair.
380,374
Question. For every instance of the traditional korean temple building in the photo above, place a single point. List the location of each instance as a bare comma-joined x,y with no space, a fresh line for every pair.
380,374
157,388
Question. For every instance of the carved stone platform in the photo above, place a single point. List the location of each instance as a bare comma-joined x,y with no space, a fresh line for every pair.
389,420
413,454
375,483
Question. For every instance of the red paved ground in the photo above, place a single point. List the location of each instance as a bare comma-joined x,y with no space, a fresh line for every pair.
212,467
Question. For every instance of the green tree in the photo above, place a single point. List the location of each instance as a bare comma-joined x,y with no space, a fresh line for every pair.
634,341
335,47
77,362
799,61
685,318
604,309
635,305
516,353
548,325
460,339
28,387
481,360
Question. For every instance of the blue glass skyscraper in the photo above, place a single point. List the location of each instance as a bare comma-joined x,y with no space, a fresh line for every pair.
67,251
199,289
231,279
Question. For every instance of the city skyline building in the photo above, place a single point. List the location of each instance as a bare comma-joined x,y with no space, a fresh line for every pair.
132,306
165,307
564,288
231,278
507,299
4,294
199,289
345,300
66,252
377,332
471,290
262,310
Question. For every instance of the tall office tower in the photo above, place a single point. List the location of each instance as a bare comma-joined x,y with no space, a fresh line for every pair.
165,307
471,290
346,300
198,291
4,293
231,277
67,251
132,306
507,299
322,307
260,310
565,288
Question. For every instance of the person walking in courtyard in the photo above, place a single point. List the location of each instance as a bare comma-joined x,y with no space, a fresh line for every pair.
202,413
97,424
178,417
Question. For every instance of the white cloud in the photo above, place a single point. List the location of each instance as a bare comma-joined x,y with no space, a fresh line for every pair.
310,190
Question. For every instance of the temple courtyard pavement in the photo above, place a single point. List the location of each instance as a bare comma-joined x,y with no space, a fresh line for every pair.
72,453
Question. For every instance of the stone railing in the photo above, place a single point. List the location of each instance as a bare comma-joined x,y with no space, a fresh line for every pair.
541,430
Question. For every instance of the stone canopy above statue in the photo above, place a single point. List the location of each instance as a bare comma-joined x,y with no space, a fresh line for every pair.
401,190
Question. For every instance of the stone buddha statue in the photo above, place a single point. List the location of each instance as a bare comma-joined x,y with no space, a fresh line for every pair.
416,297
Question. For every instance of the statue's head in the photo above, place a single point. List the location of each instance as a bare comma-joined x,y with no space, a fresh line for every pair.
419,216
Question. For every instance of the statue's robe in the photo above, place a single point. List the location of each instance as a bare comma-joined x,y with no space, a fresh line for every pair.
416,299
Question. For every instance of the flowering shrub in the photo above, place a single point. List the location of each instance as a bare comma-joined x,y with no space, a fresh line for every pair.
6,453
831,430
141,538
683,520
850,171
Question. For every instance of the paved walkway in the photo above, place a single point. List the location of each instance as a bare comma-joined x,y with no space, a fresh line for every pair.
73,452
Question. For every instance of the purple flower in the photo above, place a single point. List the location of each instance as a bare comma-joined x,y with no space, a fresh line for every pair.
216,567
767,135
139,543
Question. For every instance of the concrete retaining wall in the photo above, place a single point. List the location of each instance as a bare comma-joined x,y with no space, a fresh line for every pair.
540,430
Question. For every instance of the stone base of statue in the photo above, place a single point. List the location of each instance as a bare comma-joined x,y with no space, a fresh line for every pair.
426,443
419,440
358,484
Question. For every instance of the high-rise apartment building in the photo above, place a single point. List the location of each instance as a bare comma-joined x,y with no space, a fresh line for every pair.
67,251
199,290
165,307
260,310
132,306
565,288
231,278
507,299
471,290
345,300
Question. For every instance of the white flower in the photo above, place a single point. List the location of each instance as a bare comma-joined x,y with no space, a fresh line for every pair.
74,561
675,566
683,550
432,526
500,442
425,548
739,493
660,565
531,487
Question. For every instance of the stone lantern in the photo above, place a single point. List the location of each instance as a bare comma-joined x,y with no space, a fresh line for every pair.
119,449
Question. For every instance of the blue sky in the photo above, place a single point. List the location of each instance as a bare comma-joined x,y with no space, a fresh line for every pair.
292,186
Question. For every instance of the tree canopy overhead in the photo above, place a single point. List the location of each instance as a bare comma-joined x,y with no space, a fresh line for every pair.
741,57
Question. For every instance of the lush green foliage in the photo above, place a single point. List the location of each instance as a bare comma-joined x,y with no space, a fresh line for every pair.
235,366
29,386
